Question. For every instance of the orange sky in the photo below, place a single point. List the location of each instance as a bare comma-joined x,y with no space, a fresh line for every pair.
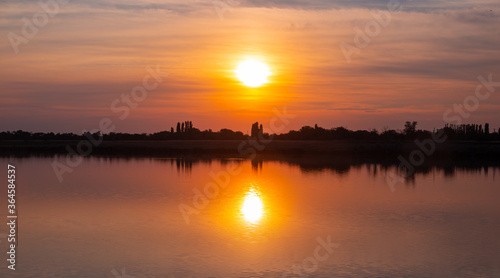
424,61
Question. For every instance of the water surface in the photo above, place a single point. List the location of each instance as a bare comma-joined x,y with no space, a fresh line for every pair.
123,218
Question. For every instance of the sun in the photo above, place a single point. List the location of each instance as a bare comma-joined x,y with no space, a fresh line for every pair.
253,73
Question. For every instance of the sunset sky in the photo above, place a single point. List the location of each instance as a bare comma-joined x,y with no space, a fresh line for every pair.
425,60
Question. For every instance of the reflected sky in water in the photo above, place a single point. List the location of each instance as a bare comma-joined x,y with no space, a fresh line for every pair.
125,213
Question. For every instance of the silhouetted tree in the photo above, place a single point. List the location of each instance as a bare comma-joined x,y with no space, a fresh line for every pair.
255,130
410,128
186,131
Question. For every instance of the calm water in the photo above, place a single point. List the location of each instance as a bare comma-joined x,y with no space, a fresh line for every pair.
122,218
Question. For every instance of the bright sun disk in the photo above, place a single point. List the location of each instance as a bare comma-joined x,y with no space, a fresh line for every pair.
253,73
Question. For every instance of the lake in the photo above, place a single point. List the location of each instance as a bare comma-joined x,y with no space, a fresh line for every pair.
151,217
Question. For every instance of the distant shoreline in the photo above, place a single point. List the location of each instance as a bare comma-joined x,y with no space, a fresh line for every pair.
369,150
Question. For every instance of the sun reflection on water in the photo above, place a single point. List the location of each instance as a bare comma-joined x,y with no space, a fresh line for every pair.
252,209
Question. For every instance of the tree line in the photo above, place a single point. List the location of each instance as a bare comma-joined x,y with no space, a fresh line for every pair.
186,131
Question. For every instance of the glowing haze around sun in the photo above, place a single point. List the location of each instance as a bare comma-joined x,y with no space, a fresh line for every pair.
253,73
